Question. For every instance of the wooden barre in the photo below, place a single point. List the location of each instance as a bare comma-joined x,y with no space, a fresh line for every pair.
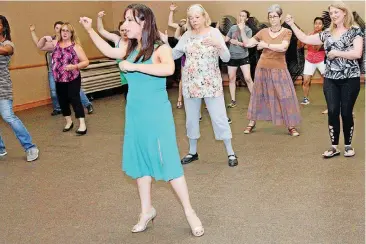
30,66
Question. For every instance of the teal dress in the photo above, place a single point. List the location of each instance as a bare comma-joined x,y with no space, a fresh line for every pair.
150,145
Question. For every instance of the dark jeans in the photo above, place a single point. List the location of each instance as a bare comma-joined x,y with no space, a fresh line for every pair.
69,92
341,96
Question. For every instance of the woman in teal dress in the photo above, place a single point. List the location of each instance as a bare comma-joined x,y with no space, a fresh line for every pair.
150,148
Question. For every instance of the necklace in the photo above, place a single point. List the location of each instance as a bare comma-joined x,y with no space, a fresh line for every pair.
275,31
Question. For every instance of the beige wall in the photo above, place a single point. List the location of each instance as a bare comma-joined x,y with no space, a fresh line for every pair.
31,85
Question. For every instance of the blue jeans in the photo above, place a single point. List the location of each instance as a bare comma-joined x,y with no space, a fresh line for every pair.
6,111
56,106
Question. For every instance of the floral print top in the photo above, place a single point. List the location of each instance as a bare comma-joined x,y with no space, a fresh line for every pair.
201,76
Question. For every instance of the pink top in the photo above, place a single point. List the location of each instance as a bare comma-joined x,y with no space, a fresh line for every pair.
315,54
62,57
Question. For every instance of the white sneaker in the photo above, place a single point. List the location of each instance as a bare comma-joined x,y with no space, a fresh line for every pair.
305,101
32,154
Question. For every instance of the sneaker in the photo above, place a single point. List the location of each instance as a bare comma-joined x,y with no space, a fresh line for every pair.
232,104
32,154
229,120
200,119
305,101
56,112
90,109
3,152
293,132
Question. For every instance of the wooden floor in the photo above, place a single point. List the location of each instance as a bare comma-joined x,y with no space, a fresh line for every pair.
283,191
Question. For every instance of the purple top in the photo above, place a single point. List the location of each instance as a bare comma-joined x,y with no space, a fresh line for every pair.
62,57
183,60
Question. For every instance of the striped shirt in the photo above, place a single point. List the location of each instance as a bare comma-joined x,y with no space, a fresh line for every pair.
6,88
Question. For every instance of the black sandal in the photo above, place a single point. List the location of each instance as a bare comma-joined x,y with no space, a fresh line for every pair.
331,153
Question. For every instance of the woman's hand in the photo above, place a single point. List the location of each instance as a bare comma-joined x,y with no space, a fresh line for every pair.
32,27
234,41
261,45
86,23
173,7
101,14
70,67
126,66
332,54
289,20
210,41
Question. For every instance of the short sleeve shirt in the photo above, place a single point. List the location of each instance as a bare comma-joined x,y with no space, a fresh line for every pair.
6,87
341,68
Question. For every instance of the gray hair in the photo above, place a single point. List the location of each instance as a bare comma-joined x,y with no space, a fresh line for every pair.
275,8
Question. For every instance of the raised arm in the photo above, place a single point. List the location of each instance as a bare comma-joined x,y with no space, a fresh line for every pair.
46,44
6,50
102,45
35,38
171,23
164,67
307,39
177,33
110,36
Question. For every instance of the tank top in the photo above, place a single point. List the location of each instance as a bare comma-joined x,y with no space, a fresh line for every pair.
61,57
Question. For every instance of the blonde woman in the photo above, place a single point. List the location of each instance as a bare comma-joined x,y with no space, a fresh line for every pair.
343,43
201,78
68,57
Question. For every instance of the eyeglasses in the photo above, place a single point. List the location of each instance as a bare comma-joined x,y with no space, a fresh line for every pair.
273,17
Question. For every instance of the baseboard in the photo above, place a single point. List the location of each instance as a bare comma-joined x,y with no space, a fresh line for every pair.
30,105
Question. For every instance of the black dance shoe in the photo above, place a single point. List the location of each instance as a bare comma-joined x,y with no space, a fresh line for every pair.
189,158
233,162
68,129
81,132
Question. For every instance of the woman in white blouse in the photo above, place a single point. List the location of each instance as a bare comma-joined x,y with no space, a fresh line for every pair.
201,78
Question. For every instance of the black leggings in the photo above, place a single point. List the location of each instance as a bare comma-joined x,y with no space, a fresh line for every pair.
69,92
341,95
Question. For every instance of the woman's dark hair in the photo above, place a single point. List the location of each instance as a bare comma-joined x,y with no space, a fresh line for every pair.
120,23
58,23
6,28
319,18
150,34
247,12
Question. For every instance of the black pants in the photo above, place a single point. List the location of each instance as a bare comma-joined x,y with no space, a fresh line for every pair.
341,95
69,92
